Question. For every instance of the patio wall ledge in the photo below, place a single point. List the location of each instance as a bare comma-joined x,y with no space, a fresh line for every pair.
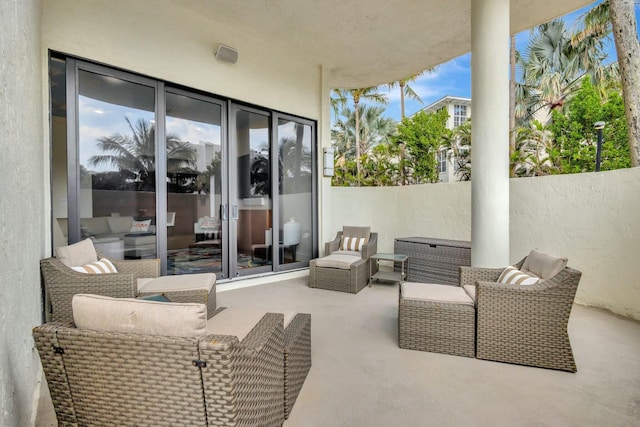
591,218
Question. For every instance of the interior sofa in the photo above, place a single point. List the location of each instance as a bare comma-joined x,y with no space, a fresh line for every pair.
138,236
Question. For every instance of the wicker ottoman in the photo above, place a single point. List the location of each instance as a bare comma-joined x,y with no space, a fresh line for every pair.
339,272
239,321
436,318
200,288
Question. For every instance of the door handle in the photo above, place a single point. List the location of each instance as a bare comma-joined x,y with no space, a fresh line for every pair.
223,212
234,212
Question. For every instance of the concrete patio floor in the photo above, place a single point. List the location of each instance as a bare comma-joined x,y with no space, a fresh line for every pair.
360,377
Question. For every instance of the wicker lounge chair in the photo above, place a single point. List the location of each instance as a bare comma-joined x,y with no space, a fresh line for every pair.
525,325
61,283
350,271
118,378
297,343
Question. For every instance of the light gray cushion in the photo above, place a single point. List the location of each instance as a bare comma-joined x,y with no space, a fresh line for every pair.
183,282
80,253
239,321
354,231
543,264
342,261
136,316
435,293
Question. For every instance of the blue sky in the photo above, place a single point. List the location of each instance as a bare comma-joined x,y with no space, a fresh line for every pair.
454,77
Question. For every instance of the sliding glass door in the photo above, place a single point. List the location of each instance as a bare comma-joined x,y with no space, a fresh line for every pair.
148,170
196,234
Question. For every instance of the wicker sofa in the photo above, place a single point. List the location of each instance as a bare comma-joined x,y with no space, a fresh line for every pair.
524,325
99,377
350,274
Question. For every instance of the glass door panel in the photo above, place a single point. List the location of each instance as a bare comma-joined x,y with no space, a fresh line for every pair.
117,163
251,208
295,191
195,234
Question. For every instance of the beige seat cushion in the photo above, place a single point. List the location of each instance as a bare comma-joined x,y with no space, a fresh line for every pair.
338,260
435,293
128,315
239,321
543,265
183,282
78,254
470,290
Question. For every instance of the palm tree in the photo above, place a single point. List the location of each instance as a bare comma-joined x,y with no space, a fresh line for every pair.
365,93
374,129
458,146
406,90
535,153
619,16
552,69
135,154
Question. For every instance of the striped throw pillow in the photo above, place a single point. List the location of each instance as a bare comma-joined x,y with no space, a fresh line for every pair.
101,266
352,243
512,276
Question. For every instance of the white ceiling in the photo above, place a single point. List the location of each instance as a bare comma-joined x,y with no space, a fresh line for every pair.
369,42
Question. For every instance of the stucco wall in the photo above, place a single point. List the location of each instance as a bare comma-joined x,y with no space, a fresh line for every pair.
21,207
163,40
590,218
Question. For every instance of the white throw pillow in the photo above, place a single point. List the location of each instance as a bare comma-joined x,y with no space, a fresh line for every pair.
512,276
103,266
140,226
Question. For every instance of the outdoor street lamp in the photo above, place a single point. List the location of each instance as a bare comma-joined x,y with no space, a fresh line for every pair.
401,144
599,126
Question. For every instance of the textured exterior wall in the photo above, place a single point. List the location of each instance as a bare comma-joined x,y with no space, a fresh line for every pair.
21,207
160,39
590,218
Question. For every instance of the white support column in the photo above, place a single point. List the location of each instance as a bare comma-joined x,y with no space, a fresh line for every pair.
490,133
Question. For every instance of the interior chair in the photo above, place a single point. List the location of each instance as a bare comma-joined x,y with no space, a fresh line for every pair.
136,362
523,311
345,266
79,268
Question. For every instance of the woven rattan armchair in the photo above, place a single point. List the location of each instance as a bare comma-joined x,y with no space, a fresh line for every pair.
106,378
61,283
351,280
525,325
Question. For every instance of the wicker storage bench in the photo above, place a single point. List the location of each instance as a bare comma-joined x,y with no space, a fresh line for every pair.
434,260
436,318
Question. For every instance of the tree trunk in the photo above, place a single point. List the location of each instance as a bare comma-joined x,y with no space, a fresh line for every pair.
512,104
357,113
402,100
623,23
